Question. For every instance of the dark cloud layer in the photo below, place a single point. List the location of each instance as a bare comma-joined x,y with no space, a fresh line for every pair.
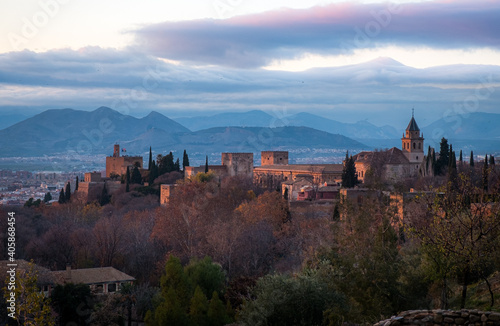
255,40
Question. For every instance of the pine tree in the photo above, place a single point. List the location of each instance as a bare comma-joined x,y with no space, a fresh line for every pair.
68,192
206,164
485,173
185,160
217,315
198,308
150,159
62,197
471,158
127,180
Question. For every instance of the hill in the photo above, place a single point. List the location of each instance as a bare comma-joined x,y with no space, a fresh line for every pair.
60,131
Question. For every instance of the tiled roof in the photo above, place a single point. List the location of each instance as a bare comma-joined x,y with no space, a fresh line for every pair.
390,156
92,276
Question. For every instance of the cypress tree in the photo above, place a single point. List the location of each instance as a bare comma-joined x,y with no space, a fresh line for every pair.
104,199
68,192
336,213
471,158
485,173
452,170
47,198
62,197
150,159
127,180
460,159
492,161
185,160
177,166
136,176
206,164
444,157
349,175
76,183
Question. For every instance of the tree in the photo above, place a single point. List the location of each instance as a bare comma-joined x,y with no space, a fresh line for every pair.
62,197
32,308
127,180
336,213
104,199
68,192
217,315
150,163
285,300
459,234
471,158
47,198
460,159
76,183
349,175
73,303
452,170
206,164
444,157
165,163
136,176
198,308
176,293
485,173
30,202
185,160
177,165
492,161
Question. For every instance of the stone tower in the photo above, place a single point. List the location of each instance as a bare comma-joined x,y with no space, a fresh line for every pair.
413,142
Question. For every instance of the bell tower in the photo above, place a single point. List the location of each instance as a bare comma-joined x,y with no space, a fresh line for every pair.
413,142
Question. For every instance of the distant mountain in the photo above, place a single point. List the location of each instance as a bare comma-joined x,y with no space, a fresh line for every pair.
243,139
476,125
64,131
60,131
358,130
253,118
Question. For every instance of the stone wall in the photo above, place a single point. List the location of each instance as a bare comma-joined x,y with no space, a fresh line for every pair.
443,317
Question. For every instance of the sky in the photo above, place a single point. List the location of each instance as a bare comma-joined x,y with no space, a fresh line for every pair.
345,60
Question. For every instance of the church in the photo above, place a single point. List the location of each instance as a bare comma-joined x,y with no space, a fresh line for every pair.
395,163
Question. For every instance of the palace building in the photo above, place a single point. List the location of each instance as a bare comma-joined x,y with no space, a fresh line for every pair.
395,163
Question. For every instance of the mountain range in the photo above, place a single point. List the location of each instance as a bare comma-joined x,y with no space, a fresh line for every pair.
69,131
54,132
256,118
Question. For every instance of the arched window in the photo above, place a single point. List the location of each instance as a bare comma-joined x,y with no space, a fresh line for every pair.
419,145
414,146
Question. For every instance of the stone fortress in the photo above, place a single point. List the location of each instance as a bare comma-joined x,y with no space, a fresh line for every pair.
295,181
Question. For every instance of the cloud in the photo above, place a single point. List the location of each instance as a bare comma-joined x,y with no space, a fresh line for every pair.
133,82
255,40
